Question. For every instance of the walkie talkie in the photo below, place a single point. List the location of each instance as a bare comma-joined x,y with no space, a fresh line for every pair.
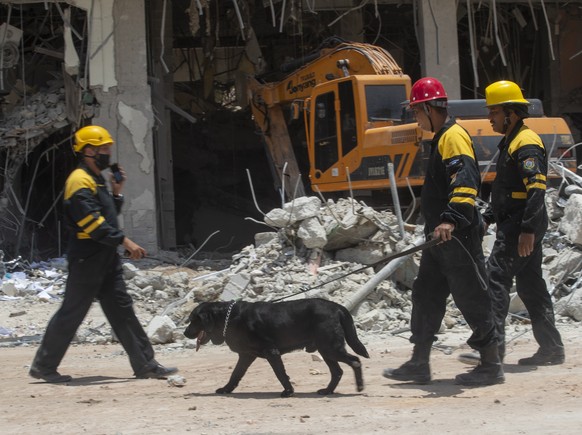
116,173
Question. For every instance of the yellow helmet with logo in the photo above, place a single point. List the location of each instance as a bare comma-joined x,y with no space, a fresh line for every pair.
503,92
91,135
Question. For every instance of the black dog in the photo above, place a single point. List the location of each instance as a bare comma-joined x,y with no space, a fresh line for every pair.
269,330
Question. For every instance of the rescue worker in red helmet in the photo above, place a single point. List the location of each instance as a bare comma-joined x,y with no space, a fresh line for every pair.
518,208
94,265
457,265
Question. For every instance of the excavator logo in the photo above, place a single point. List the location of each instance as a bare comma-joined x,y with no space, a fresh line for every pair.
307,81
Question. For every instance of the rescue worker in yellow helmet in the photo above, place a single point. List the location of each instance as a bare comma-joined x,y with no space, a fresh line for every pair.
518,208
95,270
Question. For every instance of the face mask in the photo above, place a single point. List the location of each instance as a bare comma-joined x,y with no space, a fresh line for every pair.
102,161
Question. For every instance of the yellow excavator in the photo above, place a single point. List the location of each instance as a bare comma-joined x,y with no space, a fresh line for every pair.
351,97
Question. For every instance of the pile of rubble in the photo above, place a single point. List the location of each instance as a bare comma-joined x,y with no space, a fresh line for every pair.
32,121
313,249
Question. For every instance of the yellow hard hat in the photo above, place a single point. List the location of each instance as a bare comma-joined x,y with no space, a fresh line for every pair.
91,135
503,92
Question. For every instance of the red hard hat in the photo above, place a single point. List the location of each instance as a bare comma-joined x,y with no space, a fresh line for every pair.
428,89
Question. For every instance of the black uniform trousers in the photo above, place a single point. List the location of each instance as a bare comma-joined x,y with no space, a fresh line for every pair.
447,269
503,265
100,276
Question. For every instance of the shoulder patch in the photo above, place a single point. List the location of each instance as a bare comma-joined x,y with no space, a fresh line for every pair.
529,164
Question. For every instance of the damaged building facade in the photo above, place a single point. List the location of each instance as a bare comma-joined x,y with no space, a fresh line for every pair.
168,80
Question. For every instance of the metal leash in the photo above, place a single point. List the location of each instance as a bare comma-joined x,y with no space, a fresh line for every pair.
231,306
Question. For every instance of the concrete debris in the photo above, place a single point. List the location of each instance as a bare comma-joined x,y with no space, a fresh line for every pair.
161,329
289,263
43,114
571,306
234,287
571,223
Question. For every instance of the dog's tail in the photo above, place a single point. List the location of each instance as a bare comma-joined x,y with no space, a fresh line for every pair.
349,328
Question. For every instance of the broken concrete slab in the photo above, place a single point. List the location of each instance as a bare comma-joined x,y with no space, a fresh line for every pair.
234,287
312,232
160,330
571,223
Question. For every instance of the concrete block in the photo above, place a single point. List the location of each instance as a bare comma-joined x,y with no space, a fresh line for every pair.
571,223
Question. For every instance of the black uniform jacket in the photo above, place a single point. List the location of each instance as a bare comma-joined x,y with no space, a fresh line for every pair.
520,184
91,213
452,181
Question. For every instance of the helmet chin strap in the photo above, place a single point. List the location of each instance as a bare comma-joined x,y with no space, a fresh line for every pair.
506,121
426,112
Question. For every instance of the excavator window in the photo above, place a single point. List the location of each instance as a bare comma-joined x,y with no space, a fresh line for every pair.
325,130
384,102
349,134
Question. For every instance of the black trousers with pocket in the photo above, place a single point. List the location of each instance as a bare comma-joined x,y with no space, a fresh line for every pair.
451,269
96,276
504,265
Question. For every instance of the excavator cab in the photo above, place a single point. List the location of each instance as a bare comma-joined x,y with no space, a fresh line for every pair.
355,127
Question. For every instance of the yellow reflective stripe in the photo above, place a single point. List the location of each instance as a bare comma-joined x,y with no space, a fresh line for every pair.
85,220
540,177
468,190
83,236
463,199
94,225
519,195
541,186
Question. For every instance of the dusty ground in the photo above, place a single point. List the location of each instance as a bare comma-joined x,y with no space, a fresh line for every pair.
105,399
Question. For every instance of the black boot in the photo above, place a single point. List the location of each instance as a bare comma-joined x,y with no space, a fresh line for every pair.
474,358
544,358
488,372
416,370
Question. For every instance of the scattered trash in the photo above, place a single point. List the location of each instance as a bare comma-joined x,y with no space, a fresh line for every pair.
176,381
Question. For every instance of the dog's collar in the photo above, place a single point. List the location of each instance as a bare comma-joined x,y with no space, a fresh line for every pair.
228,317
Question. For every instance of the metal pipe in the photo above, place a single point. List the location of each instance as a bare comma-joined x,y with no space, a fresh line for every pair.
497,40
240,20
472,43
549,30
357,298
283,185
395,198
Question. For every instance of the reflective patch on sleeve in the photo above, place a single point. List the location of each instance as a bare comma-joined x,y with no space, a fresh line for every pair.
86,220
94,225
463,200
468,190
519,195
541,186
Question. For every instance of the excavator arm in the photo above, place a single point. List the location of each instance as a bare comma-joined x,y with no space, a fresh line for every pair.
268,100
